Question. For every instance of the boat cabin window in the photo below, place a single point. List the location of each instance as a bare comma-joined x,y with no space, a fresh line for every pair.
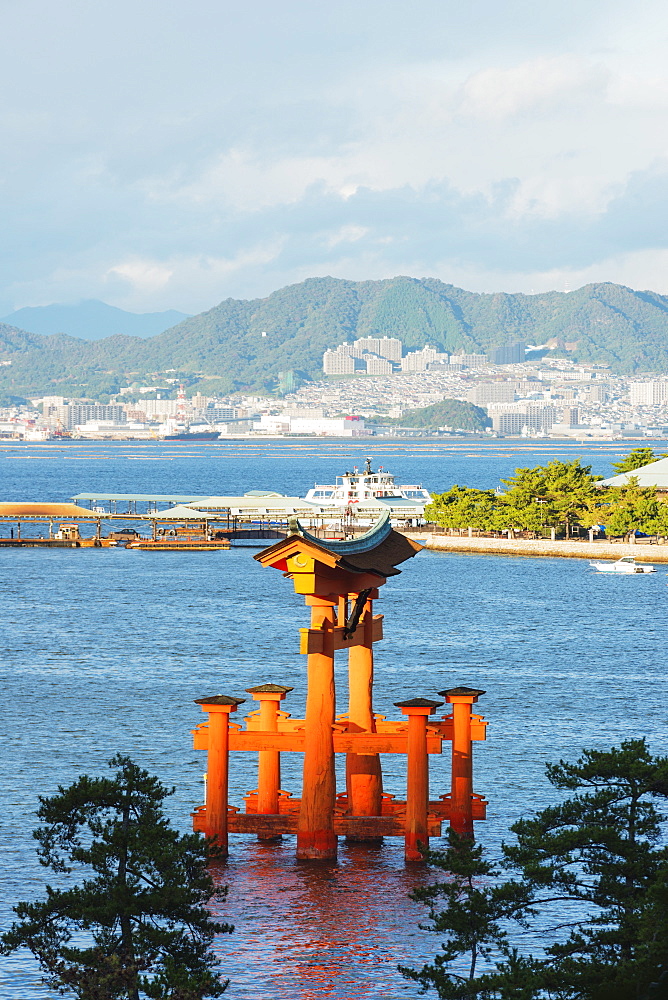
627,559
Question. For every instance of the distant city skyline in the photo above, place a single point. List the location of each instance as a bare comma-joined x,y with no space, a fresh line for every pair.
171,156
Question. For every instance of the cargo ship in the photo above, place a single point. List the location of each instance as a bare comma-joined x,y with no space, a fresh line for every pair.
187,435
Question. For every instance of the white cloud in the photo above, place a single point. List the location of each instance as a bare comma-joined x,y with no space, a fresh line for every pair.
346,234
536,86
146,277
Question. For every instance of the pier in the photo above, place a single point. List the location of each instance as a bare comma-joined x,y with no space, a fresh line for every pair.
645,550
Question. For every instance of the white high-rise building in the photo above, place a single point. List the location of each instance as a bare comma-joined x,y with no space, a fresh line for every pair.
159,408
377,366
384,347
338,362
388,348
492,392
417,361
648,393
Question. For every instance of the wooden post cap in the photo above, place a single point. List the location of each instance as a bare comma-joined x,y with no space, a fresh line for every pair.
220,701
460,694
418,706
269,689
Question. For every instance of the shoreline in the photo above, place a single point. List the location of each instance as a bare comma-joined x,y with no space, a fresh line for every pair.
642,551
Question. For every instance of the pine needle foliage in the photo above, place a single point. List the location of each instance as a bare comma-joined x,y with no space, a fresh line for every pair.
137,924
636,459
589,879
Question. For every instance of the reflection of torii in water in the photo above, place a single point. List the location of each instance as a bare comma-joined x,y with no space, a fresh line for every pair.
316,931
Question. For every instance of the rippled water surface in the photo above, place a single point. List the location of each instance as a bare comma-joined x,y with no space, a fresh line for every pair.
105,650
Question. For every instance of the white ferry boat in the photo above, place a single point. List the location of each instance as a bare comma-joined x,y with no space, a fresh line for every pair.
362,492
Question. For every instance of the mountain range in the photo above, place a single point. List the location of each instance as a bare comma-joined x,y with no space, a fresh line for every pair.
92,320
244,344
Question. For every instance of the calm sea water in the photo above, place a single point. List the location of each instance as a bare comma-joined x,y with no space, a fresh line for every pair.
104,651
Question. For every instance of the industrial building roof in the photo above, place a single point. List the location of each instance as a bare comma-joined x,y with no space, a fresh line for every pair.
654,474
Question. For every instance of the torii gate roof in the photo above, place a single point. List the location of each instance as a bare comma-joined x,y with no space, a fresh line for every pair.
379,551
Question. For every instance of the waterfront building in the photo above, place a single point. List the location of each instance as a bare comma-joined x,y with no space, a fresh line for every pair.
217,414
537,415
98,430
71,414
352,426
510,424
271,424
159,409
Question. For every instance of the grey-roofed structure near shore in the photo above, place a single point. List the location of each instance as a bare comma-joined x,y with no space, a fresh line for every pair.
655,474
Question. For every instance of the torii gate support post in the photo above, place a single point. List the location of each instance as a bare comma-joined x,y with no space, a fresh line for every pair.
364,781
461,814
417,785
218,708
269,761
315,828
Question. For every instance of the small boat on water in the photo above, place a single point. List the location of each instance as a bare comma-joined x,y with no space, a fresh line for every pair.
626,564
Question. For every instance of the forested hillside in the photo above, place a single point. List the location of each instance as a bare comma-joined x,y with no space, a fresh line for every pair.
452,413
225,346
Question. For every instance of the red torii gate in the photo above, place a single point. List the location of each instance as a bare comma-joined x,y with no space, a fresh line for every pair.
340,581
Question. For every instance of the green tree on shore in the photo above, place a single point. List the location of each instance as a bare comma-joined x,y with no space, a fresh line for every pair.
137,925
566,489
460,507
559,493
633,508
590,875
636,459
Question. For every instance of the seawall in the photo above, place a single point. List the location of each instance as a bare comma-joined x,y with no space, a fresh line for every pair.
642,551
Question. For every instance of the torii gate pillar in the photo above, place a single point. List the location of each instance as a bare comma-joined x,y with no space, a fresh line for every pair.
315,829
218,708
364,780
270,697
461,815
417,783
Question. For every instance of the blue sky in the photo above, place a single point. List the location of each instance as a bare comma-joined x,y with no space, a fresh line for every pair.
169,154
